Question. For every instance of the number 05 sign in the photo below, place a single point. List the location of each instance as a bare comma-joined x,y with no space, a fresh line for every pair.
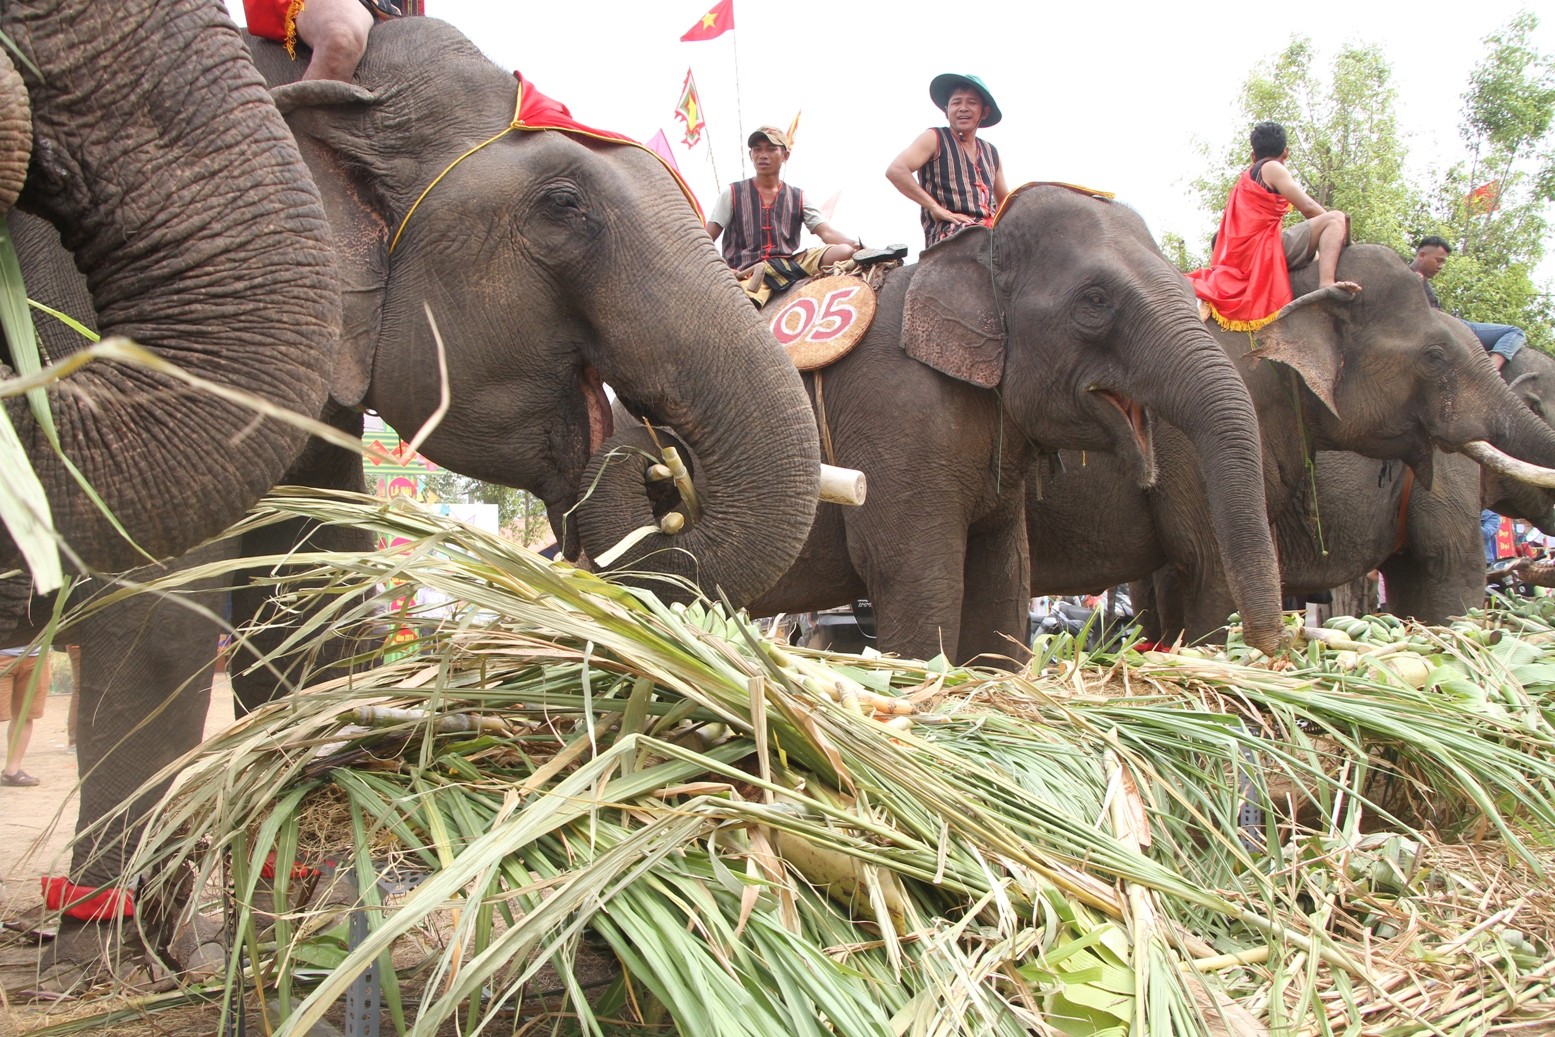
821,320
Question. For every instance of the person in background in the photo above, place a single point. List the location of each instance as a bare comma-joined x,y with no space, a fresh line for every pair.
334,30
24,687
955,178
1248,279
1501,341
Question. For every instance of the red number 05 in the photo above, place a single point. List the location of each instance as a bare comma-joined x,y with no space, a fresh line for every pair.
804,319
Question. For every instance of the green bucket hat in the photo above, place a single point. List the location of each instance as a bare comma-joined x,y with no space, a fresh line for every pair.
944,85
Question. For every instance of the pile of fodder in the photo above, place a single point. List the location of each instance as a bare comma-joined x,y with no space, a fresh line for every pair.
764,840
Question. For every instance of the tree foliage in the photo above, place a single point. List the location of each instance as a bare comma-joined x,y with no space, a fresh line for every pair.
1345,147
1347,152
1493,204
520,515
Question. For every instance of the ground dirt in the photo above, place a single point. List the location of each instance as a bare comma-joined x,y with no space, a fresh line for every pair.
36,823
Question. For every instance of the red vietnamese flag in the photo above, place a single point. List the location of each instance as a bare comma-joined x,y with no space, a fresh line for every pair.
714,23
1483,198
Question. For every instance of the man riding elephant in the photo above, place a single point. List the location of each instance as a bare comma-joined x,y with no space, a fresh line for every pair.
763,217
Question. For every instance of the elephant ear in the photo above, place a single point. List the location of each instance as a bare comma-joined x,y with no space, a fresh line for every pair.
1305,337
331,121
950,318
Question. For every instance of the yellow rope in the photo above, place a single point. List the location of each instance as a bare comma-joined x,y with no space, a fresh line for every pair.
435,180
519,124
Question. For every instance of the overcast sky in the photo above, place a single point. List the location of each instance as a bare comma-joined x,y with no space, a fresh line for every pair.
1115,96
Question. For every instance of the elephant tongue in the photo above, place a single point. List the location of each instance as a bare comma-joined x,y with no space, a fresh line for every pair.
601,424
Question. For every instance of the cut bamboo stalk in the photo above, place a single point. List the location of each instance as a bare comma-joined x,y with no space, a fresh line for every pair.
688,492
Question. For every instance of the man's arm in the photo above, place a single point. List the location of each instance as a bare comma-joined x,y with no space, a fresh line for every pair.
714,229
999,190
1278,177
900,173
831,235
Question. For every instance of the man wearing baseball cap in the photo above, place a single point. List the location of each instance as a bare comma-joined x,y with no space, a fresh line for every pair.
956,178
763,217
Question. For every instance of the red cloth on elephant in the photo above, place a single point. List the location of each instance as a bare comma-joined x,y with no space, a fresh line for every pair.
536,111
1247,281
274,20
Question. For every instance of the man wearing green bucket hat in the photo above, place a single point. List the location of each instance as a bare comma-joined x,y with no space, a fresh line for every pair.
955,177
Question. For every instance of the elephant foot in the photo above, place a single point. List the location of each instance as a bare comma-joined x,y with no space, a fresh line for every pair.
198,948
87,955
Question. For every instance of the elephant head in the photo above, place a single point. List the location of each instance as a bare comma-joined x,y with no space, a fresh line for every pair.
1067,308
174,182
1391,377
552,262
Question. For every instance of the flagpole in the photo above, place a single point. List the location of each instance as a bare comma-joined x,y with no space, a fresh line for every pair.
739,102
712,153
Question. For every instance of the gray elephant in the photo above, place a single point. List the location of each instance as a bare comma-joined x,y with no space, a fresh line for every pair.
531,255
143,118
1381,374
1057,327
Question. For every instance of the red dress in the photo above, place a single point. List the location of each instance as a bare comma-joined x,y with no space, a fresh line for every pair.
274,20
1247,281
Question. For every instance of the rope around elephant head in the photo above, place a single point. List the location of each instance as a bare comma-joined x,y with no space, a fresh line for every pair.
533,110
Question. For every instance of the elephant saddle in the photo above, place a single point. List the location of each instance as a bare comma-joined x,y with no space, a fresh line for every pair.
819,321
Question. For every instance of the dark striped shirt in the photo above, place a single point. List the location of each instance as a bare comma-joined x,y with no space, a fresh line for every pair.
758,232
958,184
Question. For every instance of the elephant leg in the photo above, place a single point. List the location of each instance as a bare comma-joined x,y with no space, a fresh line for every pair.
1147,615
1441,572
144,688
252,686
917,592
995,609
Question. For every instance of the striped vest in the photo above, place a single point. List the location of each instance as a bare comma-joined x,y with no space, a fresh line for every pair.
756,232
958,184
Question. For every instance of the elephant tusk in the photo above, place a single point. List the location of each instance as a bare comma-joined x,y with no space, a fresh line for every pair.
843,485
1500,461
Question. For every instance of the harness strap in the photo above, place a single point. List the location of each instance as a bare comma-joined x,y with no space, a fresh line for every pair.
820,418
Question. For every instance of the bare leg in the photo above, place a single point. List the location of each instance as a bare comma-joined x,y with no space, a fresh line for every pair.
1329,232
16,744
836,254
336,32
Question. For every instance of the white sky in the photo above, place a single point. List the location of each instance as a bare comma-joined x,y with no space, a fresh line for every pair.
1113,96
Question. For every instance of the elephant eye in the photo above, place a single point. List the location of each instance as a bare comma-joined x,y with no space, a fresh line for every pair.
564,201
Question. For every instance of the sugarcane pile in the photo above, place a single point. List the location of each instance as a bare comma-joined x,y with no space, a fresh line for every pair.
758,839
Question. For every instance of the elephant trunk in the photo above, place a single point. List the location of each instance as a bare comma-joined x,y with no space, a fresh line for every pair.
756,481
1522,434
15,133
1201,393
176,184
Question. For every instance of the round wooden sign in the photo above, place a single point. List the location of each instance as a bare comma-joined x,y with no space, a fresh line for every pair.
821,320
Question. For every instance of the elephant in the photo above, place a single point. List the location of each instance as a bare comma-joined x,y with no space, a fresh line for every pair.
125,125
1381,374
529,252
1056,327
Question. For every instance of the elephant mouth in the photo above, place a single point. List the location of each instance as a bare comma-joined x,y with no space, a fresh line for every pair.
601,426
1138,421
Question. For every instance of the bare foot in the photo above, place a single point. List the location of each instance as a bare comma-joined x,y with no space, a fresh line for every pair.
1348,286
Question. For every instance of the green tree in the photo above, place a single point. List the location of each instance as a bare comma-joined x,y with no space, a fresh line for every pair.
520,515
1345,147
1494,204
